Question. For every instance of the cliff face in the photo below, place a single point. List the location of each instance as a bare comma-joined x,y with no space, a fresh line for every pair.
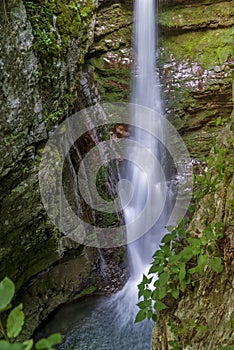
203,315
196,59
44,79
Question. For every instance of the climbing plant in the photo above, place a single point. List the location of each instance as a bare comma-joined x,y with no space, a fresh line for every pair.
14,319
180,261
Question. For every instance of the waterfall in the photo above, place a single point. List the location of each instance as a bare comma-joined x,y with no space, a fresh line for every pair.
111,323
148,187
148,183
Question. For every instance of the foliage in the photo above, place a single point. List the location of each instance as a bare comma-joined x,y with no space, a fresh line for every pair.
180,261
14,322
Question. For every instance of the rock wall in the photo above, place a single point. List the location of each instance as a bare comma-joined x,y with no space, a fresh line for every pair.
202,317
196,61
196,57
44,79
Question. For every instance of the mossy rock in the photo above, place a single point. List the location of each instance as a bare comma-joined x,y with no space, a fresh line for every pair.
184,18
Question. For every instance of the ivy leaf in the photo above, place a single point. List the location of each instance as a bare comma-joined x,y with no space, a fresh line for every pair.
7,291
47,343
216,264
140,316
4,345
15,321
159,306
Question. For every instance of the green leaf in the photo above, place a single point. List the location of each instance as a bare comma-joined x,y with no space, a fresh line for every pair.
150,314
154,317
155,294
162,292
159,306
219,121
183,285
209,234
158,254
164,278
193,270
182,272
15,321
47,343
188,252
194,242
168,238
144,304
154,268
4,345
216,264
28,344
147,293
175,293
7,291
202,262
147,280
166,250
140,316
170,228
174,258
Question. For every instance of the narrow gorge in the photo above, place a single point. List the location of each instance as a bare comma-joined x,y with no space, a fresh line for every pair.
59,57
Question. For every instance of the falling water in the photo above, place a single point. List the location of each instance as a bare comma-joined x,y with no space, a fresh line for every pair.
110,324
148,186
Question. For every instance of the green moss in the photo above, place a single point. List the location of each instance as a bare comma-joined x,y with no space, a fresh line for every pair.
55,22
220,14
112,79
208,48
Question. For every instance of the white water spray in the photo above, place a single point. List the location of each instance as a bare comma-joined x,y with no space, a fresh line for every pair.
147,181
148,189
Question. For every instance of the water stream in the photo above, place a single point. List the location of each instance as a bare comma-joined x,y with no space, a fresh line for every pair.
107,323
